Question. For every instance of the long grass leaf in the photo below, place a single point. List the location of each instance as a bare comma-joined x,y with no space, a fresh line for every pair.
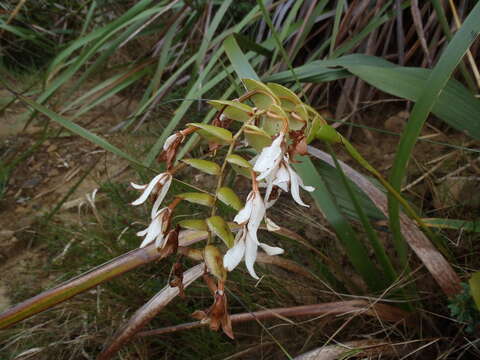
437,265
356,251
77,129
433,87
377,246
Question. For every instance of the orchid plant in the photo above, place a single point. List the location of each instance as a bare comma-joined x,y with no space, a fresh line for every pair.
276,129
258,137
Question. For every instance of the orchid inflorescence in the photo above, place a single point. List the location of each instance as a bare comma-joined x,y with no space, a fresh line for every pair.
277,128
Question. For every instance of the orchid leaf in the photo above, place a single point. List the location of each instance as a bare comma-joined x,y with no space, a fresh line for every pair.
206,166
238,160
228,197
263,97
256,137
215,132
219,227
193,224
474,283
233,109
197,198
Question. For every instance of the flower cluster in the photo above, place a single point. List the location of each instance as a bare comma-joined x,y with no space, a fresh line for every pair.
276,129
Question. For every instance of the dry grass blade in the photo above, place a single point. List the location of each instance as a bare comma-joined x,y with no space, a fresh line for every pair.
13,14
148,311
433,260
417,21
380,311
90,279
286,264
363,348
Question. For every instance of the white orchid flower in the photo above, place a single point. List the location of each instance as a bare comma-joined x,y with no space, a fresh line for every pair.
246,241
159,186
288,180
273,166
270,158
156,229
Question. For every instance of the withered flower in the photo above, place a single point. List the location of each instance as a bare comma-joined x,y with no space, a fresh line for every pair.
217,315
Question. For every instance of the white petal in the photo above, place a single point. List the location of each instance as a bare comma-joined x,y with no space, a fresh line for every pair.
270,179
271,250
159,241
143,232
244,214
138,187
148,189
282,178
234,255
271,202
145,243
161,195
294,187
269,158
153,230
271,226
256,217
169,141
251,255
305,187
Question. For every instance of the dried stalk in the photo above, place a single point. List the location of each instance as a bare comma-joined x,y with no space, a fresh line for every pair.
377,310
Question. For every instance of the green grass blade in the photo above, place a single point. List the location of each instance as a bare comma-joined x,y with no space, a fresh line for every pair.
381,18
88,18
336,24
456,224
377,246
434,86
310,22
442,20
238,59
206,40
286,26
356,251
456,105
76,129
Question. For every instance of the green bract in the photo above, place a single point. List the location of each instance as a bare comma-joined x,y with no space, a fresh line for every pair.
233,109
219,227
194,224
238,160
228,197
263,97
256,137
198,198
206,166
213,133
